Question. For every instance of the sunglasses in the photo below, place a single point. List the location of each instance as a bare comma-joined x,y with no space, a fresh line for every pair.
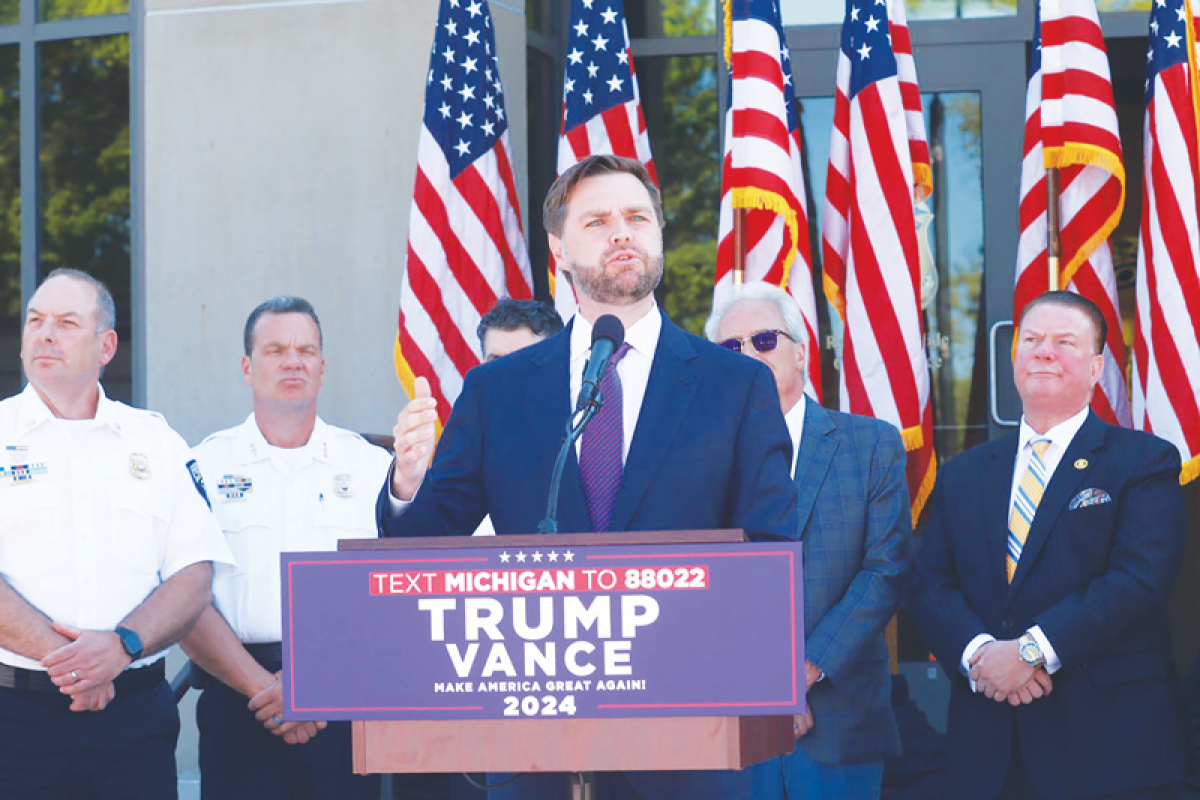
763,341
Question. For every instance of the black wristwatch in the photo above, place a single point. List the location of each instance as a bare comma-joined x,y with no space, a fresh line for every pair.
130,641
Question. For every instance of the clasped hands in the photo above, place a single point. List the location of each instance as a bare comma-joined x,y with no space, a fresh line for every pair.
1001,675
267,706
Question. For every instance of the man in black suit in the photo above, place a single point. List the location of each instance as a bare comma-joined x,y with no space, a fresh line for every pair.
1042,586
695,438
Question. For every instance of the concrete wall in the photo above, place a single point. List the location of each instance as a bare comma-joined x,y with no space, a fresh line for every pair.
280,144
280,154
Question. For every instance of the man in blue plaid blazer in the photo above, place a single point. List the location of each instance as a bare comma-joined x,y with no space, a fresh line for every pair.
856,525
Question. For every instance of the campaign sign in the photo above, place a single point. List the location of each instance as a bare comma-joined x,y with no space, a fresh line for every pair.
550,631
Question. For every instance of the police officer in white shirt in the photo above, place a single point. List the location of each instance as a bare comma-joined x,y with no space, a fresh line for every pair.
107,549
283,480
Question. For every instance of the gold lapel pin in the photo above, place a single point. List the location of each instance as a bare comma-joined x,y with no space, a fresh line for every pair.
1081,463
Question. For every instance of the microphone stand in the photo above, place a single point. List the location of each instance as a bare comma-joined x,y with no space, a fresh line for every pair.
575,425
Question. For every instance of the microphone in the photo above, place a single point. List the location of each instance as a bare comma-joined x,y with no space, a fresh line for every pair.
608,334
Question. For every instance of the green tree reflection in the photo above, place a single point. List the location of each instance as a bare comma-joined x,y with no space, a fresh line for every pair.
683,117
84,160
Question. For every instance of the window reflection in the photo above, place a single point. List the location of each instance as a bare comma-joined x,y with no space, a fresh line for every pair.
952,224
831,12
10,12
50,10
83,103
10,222
654,18
679,99
1123,5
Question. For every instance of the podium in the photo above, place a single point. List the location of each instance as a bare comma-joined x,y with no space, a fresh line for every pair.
580,745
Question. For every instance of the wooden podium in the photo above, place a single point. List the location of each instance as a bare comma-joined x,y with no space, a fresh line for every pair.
566,745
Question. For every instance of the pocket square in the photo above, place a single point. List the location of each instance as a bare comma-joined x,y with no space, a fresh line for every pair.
1090,497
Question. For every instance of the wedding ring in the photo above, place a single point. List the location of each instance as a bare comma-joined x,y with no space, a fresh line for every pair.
75,675
277,720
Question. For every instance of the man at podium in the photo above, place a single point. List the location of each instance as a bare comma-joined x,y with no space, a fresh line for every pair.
691,436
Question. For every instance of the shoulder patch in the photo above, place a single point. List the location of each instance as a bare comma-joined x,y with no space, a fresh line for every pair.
198,481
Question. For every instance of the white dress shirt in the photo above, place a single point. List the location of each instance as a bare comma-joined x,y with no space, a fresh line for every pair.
1060,437
795,425
271,500
634,371
95,514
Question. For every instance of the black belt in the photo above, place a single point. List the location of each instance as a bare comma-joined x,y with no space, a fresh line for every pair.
32,680
269,655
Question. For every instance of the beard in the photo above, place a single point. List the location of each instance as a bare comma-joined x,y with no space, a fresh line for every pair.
616,288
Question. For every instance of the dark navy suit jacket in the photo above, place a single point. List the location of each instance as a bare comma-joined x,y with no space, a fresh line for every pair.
711,450
1096,578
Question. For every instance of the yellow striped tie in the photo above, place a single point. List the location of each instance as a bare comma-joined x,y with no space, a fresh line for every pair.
1029,494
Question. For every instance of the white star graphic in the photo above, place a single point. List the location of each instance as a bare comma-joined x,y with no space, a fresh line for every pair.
467,92
537,556
430,77
854,14
469,65
444,111
622,56
600,43
568,86
454,4
489,101
499,113
449,54
610,16
451,28
1149,55
588,4
787,79
1182,13
447,84
581,28
473,9
587,97
487,73
592,70
489,128
553,556
872,25
880,2
614,84
864,53
1154,25
568,556
1161,3
472,36
575,56
504,557
464,120
1172,39
521,557
463,148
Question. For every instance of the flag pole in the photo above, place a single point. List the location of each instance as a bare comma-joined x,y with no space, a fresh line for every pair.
739,248
1053,231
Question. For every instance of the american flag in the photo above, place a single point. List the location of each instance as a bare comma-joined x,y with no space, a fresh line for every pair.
878,170
466,248
1071,124
762,170
602,107
1166,347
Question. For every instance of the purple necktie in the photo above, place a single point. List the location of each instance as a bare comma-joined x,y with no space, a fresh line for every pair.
602,453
